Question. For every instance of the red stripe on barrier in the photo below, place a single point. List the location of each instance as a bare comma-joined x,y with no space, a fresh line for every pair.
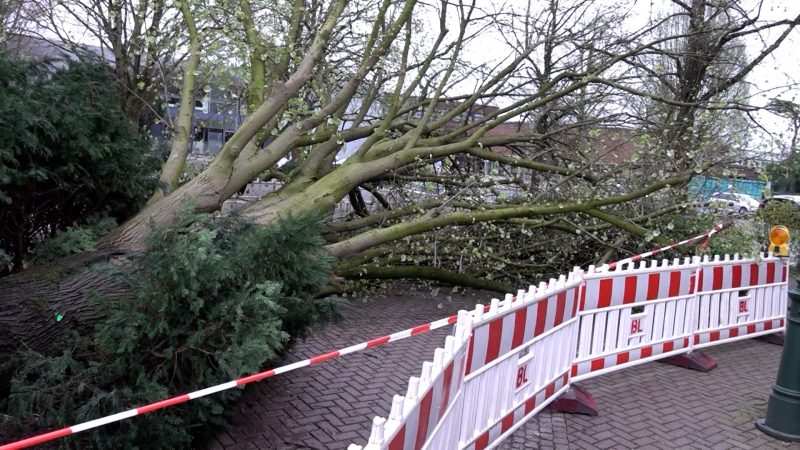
623,357
575,301
399,439
424,417
541,317
378,341
482,442
699,279
561,305
667,347
597,364
635,258
550,390
653,281
713,336
674,284
751,329
325,357
495,335
448,380
629,294
696,339
421,329
452,319
771,272
733,331
162,404
647,351
507,422
36,440
469,354
716,281
781,322
519,327
255,377
583,296
785,273
736,273
685,342
604,296
754,274
530,404
768,325
574,370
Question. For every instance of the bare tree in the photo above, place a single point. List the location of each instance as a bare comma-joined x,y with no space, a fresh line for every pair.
791,112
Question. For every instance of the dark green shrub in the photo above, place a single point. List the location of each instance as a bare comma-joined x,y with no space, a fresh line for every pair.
67,152
73,240
214,300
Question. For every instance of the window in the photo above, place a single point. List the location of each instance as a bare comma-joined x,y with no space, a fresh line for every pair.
201,104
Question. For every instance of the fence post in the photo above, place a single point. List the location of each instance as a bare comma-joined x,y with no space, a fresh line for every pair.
783,408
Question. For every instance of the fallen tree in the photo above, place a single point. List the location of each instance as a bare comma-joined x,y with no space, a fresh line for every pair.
379,113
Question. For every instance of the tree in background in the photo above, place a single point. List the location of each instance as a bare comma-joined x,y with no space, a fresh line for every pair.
784,173
143,40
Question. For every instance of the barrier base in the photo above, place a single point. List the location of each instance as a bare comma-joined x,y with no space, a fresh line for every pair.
576,400
695,361
774,338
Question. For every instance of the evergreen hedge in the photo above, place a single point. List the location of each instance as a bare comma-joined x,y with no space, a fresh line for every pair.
215,299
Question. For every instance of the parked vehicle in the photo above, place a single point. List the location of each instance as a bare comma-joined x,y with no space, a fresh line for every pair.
733,202
794,200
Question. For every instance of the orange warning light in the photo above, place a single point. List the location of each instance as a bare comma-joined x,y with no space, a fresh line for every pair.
778,240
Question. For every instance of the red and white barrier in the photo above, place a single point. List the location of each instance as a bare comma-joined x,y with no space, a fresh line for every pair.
527,350
629,316
520,338
740,298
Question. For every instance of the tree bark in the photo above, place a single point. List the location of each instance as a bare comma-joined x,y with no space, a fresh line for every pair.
38,306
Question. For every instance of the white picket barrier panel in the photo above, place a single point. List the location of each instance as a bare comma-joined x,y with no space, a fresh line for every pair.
432,399
633,315
511,361
516,363
740,298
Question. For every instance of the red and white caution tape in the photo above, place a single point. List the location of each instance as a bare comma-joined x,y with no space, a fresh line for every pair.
635,258
74,429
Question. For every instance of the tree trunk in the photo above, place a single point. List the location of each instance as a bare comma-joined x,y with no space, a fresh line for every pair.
38,306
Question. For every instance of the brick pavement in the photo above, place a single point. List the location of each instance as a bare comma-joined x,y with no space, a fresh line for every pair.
656,405
649,406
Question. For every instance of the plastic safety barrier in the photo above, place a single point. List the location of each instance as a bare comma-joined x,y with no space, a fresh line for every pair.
521,354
